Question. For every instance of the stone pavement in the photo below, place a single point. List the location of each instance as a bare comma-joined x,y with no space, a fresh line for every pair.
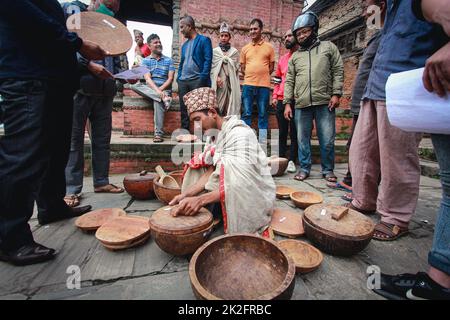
147,272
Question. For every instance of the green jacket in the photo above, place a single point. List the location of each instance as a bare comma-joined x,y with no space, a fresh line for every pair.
314,75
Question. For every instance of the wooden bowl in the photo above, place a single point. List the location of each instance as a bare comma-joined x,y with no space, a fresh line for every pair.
284,192
140,185
278,166
287,223
178,175
306,257
304,199
93,220
123,230
241,267
180,235
344,237
135,243
164,193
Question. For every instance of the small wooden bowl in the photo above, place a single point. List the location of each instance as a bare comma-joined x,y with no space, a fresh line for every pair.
242,267
304,199
93,220
178,175
278,166
164,193
287,223
306,257
284,192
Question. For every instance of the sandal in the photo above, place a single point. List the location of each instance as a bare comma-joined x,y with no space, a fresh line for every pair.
72,200
301,176
330,177
352,207
109,188
347,197
339,186
158,139
388,232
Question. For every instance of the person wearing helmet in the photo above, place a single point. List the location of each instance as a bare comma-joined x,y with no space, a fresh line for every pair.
314,80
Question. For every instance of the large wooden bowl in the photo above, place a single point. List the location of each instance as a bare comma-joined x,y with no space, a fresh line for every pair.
140,185
304,199
278,166
306,257
344,237
180,235
242,267
165,193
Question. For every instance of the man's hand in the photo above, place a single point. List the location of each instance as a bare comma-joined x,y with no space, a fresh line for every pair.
219,82
274,103
189,206
177,199
288,112
436,77
334,103
99,71
92,51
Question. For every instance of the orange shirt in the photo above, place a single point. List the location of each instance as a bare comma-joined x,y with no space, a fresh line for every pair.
257,59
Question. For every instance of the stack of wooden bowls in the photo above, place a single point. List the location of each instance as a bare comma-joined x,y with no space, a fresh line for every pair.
91,221
180,235
242,267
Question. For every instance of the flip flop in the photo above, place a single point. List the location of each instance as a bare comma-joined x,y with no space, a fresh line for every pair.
72,200
339,186
330,177
347,197
112,189
301,176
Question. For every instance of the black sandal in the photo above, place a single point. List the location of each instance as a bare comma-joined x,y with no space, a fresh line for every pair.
301,176
330,177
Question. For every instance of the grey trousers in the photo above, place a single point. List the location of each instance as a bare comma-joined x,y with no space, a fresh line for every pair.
98,110
158,117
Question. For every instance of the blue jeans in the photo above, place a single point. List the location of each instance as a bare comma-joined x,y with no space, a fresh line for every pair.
439,256
262,95
326,131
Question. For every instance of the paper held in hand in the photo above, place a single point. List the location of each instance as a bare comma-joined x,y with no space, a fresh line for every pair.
412,108
133,74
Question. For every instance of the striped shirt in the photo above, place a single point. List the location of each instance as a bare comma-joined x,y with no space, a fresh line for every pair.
159,69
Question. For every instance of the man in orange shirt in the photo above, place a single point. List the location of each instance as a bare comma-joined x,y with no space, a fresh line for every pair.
257,64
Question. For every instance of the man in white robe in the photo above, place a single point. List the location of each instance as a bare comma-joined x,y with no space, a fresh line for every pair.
235,170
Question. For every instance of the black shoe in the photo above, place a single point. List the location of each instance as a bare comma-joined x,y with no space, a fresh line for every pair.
72,213
28,254
411,287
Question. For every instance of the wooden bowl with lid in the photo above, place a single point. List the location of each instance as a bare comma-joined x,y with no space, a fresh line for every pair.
140,185
180,235
242,267
345,235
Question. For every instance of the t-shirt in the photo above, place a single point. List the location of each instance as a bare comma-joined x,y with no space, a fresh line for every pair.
190,69
257,59
159,69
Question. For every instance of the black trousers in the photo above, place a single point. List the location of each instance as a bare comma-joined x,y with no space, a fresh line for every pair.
37,118
185,86
286,127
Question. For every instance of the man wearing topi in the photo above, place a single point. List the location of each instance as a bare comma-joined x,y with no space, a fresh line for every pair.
236,172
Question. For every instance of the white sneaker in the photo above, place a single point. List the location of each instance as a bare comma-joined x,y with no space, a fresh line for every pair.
291,168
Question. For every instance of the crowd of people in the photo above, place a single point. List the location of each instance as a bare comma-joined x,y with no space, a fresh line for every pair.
47,102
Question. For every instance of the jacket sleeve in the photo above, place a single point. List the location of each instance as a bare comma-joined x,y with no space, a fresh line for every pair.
289,84
337,70
276,87
25,14
207,51
180,66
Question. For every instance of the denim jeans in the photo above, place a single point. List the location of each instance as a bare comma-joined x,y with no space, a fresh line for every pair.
326,132
185,86
98,109
262,95
439,256
37,116
286,127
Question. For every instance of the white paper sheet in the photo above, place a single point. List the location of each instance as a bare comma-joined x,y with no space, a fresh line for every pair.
412,108
133,74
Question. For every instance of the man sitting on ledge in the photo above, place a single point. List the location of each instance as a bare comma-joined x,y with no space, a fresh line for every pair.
234,172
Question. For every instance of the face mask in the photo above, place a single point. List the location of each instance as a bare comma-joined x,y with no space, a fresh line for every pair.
105,10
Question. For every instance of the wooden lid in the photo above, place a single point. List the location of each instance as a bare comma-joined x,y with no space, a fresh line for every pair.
109,33
133,244
306,257
142,176
163,221
95,219
123,230
353,225
284,191
287,223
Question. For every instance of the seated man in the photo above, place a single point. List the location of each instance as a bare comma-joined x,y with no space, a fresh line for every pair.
236,172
